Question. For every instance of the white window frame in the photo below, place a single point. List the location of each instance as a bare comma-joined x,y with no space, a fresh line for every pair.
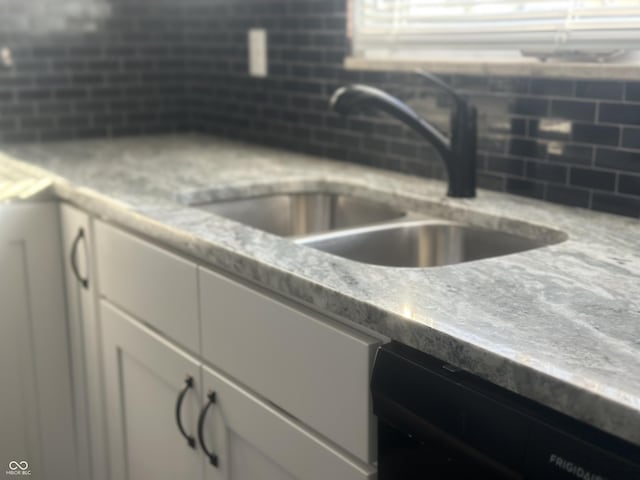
499,62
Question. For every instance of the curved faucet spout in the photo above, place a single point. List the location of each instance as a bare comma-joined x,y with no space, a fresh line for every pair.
351,98
458,153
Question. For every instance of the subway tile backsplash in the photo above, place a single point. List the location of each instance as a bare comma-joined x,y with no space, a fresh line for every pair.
122,67
91,68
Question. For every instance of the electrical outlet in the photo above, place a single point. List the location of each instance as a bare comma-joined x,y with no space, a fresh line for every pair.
5,57
258,61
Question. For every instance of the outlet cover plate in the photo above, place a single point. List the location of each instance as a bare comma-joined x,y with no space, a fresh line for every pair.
258,62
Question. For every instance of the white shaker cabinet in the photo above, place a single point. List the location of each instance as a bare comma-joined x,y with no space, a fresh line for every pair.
245,413
36,410
211,428
85,343
145,378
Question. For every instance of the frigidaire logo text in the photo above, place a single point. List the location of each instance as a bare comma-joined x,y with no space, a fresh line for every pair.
18,468
575,470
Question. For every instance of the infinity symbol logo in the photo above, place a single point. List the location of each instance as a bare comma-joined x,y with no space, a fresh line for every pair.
13,465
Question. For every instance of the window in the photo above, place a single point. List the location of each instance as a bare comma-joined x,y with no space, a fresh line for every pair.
543,28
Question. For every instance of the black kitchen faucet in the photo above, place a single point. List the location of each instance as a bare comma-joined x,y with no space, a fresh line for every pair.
458,152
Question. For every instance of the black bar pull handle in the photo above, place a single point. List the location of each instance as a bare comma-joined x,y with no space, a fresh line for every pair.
188,384
74,259
213,458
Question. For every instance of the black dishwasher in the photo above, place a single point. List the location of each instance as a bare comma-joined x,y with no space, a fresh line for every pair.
437,422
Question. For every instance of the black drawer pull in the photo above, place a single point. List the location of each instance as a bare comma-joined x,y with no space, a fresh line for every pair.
213,458
188,384
74,261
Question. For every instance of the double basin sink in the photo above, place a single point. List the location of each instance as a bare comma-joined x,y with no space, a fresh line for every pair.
368,231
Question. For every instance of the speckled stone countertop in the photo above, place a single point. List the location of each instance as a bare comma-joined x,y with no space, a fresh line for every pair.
559,324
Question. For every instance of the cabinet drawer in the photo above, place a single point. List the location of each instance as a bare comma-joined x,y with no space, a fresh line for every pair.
250,436
152,284
315,369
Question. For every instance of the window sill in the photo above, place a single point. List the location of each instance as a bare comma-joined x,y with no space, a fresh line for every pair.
508,68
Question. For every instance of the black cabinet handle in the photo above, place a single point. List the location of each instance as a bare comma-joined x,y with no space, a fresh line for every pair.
188,384
74,261
213,458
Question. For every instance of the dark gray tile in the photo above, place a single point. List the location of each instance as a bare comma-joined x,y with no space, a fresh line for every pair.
618,159
627,206
633,91
571,154
530,106
472,83
552,87
405,149
626,114
492,144
596,134
631,137
597,89
527,148
525,188
629,184
546,171
574,110
573,197
518,126
512,166
596,179
508,85
491,181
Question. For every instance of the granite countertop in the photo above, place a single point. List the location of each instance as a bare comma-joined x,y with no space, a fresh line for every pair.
559,324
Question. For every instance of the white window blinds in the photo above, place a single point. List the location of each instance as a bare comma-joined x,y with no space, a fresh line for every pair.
537,25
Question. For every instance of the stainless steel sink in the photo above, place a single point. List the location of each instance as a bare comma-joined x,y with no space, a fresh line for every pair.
306,213
419,244
372,232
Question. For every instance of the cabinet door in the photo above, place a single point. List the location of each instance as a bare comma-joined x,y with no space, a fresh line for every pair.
36,406
144,379
84,337
253,441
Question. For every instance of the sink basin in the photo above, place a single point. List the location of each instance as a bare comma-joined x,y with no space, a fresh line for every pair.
306,213
419,244
372,232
